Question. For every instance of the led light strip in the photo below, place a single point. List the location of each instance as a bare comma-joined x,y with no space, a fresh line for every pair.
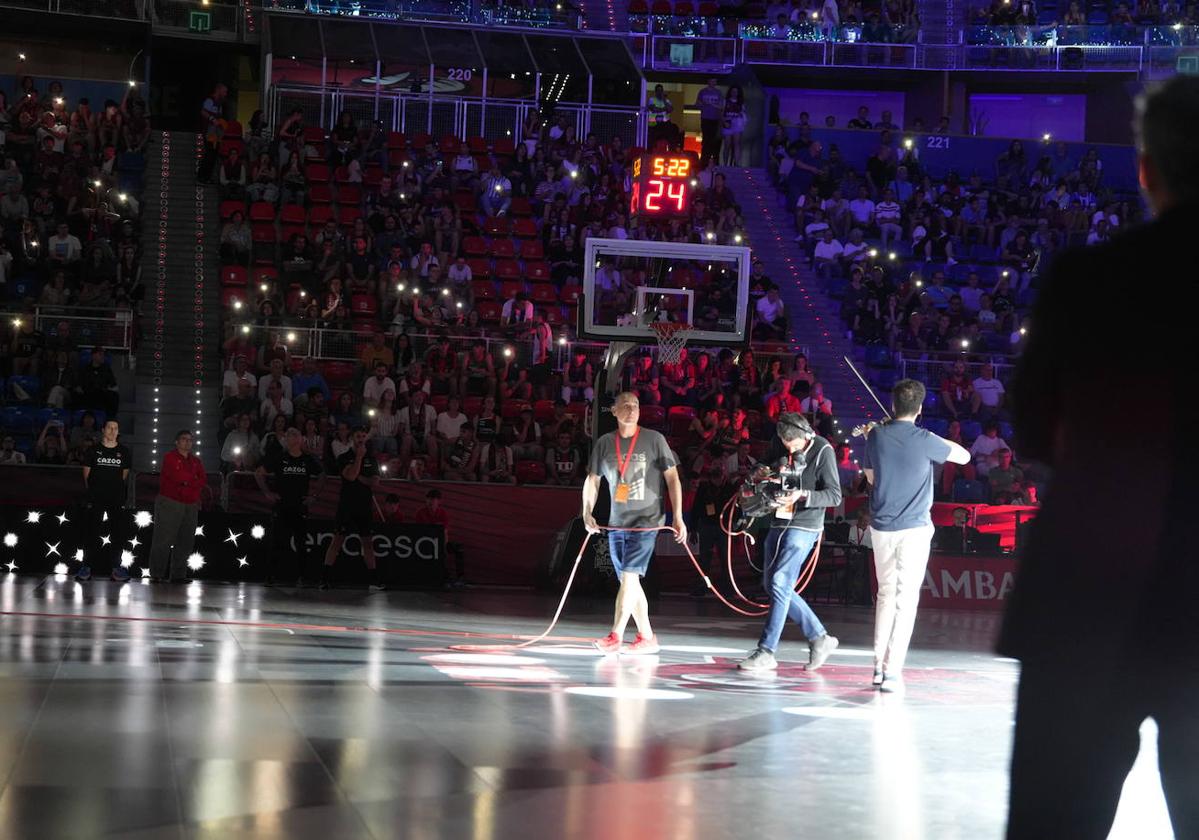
160,286
198,297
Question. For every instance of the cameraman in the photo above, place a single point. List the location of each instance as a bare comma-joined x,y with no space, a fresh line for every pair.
797,524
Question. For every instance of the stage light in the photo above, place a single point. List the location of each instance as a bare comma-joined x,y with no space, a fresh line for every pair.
195,562
33,517
242,562
60,568
52,549
143,519
11,540
11,566
105,539
126,559
199,531
258,532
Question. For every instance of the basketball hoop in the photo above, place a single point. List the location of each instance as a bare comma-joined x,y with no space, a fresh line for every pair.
672,338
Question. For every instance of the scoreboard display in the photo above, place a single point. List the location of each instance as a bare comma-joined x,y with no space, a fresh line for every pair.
663,185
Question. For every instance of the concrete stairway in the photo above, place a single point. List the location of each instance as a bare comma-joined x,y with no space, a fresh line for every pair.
941,22
179,379
815,317
604,15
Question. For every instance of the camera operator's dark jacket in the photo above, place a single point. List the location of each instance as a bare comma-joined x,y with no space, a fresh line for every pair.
820,478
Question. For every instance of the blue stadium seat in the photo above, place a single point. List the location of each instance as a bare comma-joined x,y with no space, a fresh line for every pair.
932,403
17,419
879,356
1005,431
936,425
965,490
77,417
30,384
886,379
45,415
970,430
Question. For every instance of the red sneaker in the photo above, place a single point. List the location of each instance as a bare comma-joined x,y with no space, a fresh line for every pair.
609,644
643,646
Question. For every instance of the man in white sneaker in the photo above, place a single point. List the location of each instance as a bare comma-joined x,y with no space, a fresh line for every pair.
636,462
899,466
794,530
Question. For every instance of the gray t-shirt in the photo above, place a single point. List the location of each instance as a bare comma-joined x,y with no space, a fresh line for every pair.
650,459
902,457
711,103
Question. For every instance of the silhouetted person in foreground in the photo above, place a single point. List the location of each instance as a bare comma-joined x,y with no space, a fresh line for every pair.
1105,612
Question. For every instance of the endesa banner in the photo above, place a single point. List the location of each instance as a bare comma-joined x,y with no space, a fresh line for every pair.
968,582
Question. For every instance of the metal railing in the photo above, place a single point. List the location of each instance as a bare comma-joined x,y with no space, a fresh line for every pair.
931,369
555,15
347,346
112,329
123,9
464,116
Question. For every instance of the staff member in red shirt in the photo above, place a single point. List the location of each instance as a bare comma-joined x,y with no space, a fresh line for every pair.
434,514
176,510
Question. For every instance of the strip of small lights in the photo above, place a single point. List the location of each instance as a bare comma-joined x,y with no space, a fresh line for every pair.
198,298
160,288
797,277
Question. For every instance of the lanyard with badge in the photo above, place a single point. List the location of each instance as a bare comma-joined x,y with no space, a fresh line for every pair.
621,493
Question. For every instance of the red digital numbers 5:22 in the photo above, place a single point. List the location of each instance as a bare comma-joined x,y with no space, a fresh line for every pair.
669,196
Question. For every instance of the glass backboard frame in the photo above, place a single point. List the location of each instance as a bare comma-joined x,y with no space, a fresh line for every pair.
597,247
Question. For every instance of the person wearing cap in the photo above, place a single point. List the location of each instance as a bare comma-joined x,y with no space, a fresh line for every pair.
176,511
239,371
434,513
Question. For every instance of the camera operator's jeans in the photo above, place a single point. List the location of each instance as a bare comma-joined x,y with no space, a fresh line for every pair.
786,550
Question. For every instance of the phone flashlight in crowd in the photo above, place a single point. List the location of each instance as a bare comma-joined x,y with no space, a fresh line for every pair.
403,196
1046,136
237,305
245,329
965,344
303,293
122,196
445,292
237,450
919,283
1024,331
132,83
370,412
711,235
96,183
907,142
508,352
58,100
873,253
892,256
562,340
458,304
694,182
1003,274
383,468
737,238
20,56
574,173
291,337
263,287
16,322
400,287
499,187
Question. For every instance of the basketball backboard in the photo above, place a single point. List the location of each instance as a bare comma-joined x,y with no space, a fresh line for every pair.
629,284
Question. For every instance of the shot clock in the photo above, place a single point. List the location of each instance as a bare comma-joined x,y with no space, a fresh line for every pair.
662,184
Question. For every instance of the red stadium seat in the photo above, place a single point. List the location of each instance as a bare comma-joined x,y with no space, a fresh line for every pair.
480,267
233,129
524,228
320,214
449,144
419,141
397,158
520,206
466,203
349,194
471,406
397,140
683,8
661,8
531,249
317,173
346,216
504,147
530,472
507,270
543,411
489,311
364,305
320,194
554,317
571,294
508,288
292,214
228,208
233,275
512,408
228,145
497,226
477,145
577,410
680,419
262,211
265,274
475,246
544,293
653,416
537,272
638,7
338,372
483,289
708,9
314,134
504,249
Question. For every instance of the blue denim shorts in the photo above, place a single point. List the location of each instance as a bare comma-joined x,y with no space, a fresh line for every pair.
631,551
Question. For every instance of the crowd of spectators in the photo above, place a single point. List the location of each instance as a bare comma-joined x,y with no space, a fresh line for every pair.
926,266
1025,13
888,21
70,187
451,270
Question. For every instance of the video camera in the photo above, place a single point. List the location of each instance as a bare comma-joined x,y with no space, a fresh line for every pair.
761,494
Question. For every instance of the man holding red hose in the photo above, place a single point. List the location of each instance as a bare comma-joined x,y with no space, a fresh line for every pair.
635,462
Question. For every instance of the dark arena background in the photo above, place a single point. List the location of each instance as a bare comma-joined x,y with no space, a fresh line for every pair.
365,287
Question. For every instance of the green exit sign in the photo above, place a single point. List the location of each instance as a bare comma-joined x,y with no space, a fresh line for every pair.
199,21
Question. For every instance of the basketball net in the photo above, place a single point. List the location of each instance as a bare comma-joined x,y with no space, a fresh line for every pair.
672,338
